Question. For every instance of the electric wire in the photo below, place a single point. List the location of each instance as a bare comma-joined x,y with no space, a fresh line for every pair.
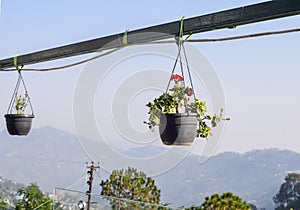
159,42
79,180
69,65
110,197
246,36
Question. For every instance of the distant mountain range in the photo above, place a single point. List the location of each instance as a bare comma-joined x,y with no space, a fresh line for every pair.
47,156
255,176
53,158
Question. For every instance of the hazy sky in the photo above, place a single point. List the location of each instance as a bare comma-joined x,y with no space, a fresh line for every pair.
259,76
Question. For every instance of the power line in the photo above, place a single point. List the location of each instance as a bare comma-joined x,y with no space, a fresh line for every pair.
246,36
114,198
160,42
42,159
68,65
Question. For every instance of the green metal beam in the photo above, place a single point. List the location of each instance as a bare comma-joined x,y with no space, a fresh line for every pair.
225,19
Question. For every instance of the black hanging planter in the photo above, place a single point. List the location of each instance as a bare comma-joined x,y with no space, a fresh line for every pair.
17,122
178,129
181,116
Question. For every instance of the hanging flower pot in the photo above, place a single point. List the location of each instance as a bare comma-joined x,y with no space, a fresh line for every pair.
17,122
181,117
179,120
178,129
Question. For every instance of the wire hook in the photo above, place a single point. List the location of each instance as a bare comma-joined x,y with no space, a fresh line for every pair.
17,65
125,37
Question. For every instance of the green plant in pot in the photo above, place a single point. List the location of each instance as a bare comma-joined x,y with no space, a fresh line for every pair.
180,116
17,121
21,103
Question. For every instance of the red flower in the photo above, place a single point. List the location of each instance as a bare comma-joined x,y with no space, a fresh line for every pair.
176,77
189,91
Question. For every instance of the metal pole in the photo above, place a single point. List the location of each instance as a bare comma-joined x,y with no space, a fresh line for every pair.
225,19
92,167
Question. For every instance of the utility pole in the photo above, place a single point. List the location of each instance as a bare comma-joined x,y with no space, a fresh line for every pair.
91,168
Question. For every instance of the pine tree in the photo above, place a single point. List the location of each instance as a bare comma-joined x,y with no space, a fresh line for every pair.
130,189
226,201
288,196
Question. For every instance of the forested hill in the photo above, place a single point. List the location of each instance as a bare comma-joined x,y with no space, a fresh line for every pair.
255,176
43,157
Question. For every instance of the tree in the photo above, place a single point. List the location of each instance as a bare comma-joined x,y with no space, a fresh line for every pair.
288,196
226,201
130,189
3,205
33,198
